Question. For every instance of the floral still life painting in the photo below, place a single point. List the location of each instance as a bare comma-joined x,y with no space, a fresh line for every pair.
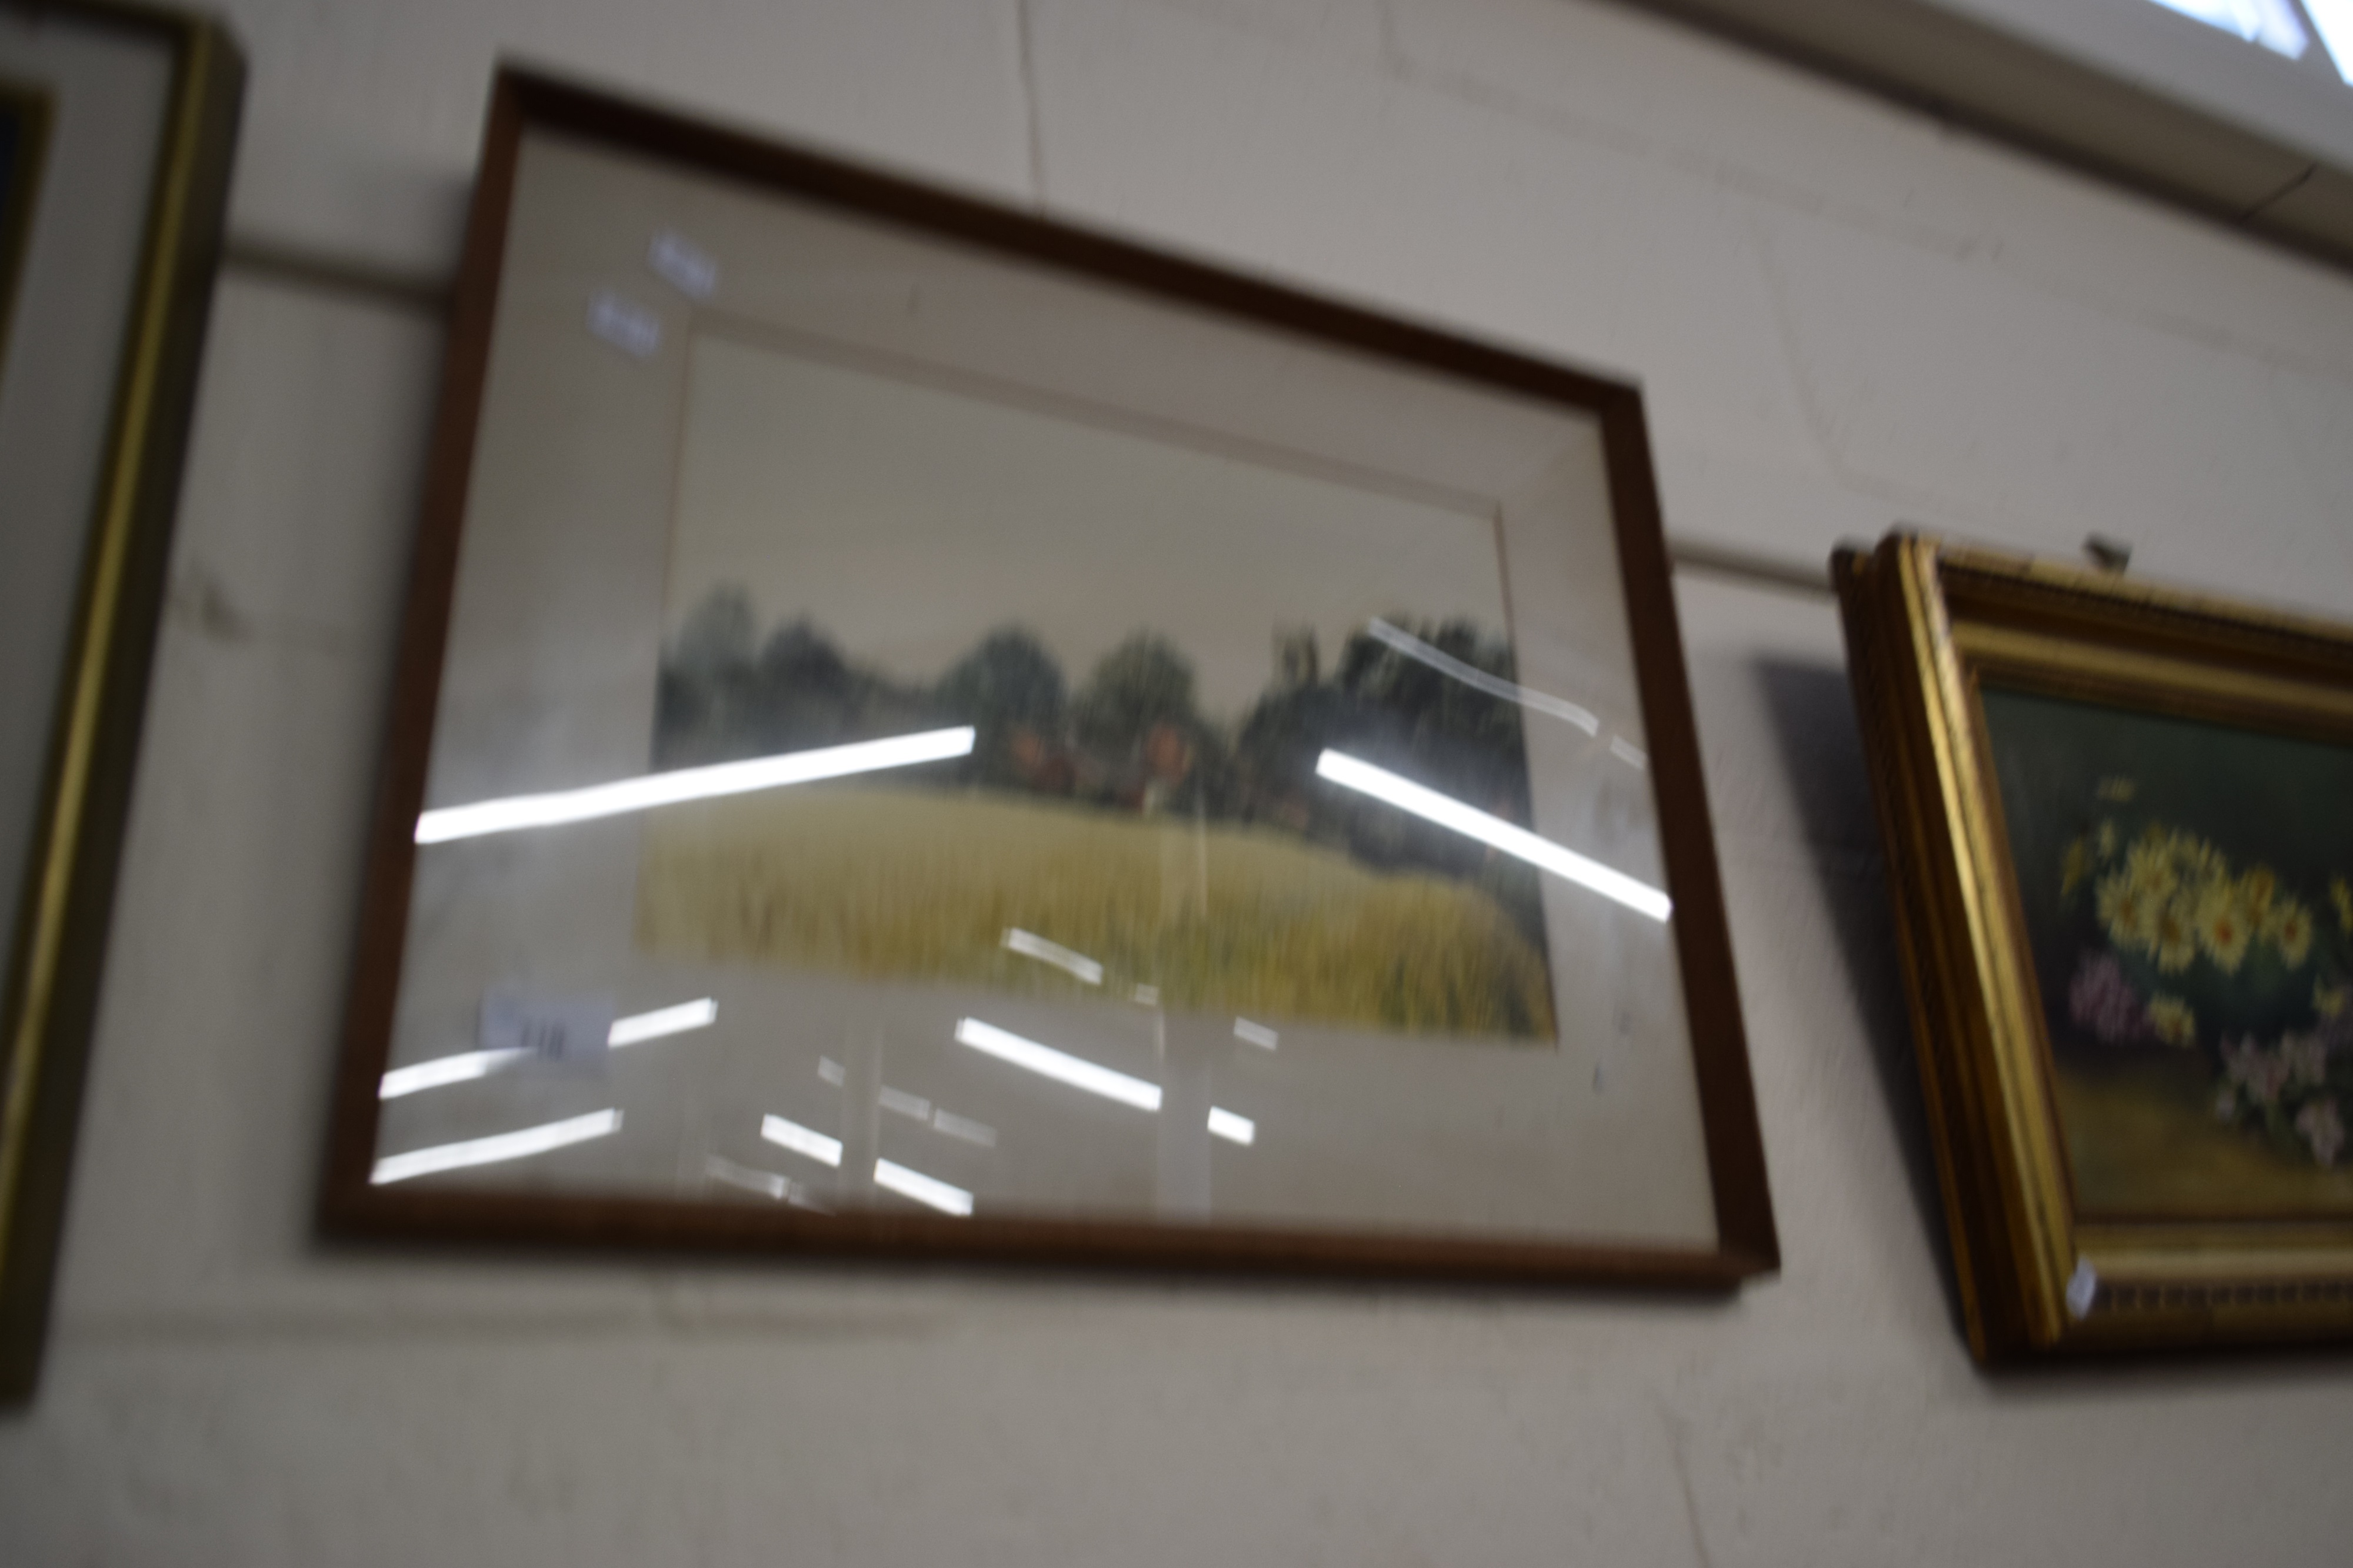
2185,888
1154,647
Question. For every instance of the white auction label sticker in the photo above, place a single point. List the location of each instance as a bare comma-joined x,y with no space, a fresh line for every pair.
547,1025
626,325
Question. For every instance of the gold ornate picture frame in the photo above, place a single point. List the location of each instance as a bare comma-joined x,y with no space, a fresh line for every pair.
107,254
2118,852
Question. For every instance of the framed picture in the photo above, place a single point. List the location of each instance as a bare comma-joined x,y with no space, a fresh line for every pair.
2116,832
116,126
925,730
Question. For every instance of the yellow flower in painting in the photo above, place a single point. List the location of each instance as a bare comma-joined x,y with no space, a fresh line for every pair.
2128,912
2225,927
2329,1001
2149,865
2342,896
2175,1024
2073,869
2257,889
2198,860
2104,840
2288,927
2119,790
2176,934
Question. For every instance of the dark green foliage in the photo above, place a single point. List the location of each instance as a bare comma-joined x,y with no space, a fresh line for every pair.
1133,737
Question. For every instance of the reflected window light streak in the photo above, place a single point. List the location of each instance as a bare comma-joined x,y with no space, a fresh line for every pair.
801,1139
498,1147
1626,751
831,1071
440,1071
906,1104
553,809
635,1029
1472,823
1029,944
923,1189
1470,675
1147,995
1257,1034
1233,1129
639,1027
1060,1065
964,1127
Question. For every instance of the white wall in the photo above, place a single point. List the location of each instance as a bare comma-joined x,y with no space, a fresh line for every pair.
1843,317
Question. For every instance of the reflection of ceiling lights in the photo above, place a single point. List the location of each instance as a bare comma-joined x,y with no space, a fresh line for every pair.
1029,944
633,1030
512,811
1470,675
801,1139
1472,823
1257,1034
490,1150
1233,1129
923,1189
1059,1066
639,1027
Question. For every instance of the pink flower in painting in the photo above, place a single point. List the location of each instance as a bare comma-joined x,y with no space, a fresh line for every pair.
2102,1001
2305,1057
2259,1074
2322,1129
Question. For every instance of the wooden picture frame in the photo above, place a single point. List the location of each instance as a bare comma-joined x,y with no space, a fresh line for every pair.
620,261
106,269
2123,938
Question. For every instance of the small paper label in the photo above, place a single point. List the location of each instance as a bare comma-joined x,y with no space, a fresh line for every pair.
683,265
626,325
546,1025
2082,1290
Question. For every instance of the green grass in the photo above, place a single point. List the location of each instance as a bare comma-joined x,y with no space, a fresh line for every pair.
910,884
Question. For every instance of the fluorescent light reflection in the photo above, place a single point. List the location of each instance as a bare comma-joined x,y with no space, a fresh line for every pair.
1472,823
1257,1034
1233,1129
639,1027
801,1139
964,1127
1029,944
440,1071
635,1029
1626,751
519,811
923,1189
1470,675
1060,1065
784,1189
491,1150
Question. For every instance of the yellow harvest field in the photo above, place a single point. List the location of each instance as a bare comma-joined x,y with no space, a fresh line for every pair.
911,884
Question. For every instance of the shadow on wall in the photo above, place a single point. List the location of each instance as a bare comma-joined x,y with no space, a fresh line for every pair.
1811,708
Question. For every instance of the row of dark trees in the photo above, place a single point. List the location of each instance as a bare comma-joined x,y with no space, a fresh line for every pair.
1132,736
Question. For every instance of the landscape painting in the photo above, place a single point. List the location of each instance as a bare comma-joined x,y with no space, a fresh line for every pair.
2185,886
1154,639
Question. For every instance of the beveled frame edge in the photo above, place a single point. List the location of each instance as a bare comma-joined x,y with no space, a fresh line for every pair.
1747,1239
2015,1237
66,903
